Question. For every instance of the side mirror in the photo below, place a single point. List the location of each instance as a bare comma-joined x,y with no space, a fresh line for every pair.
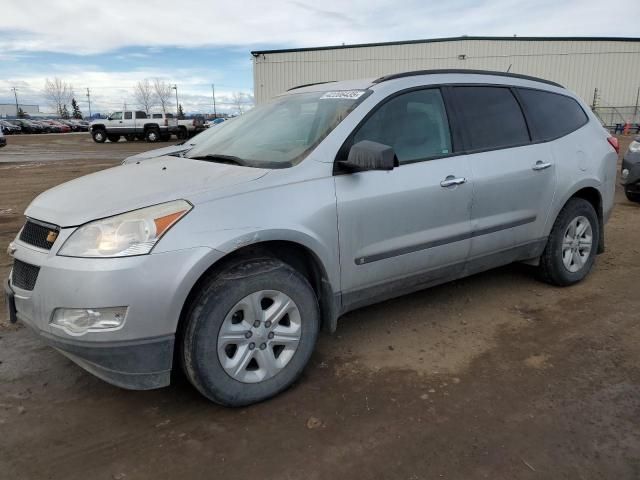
367,155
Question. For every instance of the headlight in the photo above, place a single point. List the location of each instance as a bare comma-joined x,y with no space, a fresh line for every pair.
634,147
132,233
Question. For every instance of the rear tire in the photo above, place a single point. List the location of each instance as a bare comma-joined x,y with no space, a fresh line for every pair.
99,136
231,351
130,137
632,196
572,245
182,133
113,138
152,135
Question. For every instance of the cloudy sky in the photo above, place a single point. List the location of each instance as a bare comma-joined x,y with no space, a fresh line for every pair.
109,46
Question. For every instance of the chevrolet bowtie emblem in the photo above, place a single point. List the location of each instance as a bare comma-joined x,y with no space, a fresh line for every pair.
11,249
51,237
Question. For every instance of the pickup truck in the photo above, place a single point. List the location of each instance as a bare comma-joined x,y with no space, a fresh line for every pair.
182,129
131,125
137,124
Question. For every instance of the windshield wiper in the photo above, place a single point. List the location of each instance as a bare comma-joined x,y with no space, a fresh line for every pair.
230,159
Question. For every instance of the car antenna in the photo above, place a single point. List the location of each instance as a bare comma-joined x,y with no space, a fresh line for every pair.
508,69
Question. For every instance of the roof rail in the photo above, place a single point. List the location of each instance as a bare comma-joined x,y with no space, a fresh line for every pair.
461,70
310,85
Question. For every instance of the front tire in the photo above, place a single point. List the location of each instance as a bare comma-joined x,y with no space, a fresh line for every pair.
632,196
99,136
250,332
572,245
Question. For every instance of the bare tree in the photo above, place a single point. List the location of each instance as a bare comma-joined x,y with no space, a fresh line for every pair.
144,95
162,91
238,99
58,93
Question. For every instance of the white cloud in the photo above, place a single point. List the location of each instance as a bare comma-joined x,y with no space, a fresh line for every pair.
82,27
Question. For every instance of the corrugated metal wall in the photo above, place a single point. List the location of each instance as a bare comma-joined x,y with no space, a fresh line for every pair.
581,65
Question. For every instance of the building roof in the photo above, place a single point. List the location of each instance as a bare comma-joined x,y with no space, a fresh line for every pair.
255,53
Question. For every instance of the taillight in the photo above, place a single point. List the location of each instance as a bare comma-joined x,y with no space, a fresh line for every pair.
613,141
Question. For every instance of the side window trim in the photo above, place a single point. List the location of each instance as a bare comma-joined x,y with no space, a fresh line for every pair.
527,122
344,148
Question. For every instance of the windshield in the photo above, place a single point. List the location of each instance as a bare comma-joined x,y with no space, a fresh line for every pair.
280,133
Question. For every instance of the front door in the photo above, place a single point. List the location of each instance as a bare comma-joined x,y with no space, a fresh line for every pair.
406,228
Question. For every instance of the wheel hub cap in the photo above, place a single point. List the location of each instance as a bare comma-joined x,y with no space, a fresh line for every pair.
577,244
259,336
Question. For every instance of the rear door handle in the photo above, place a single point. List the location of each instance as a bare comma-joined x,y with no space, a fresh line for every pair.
540,165
450,181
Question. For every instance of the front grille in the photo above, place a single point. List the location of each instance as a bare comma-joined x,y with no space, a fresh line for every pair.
39,234
24,275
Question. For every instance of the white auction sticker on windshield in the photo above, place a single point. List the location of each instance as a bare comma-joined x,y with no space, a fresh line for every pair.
343,94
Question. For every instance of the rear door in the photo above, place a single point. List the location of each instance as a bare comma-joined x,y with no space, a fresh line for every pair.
402,229
514,178
128,123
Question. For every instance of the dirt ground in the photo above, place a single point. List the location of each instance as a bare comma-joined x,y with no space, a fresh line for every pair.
496,376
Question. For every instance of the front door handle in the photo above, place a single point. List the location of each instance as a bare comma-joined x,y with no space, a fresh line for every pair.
540,165
451,181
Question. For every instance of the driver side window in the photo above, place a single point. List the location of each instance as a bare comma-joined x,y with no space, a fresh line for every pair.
116,116
414,124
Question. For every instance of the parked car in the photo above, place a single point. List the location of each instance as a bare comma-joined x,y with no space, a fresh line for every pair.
3,139
214,122
131,124
177,149
55,126
73,126
326,199
631,171
9,128
27,126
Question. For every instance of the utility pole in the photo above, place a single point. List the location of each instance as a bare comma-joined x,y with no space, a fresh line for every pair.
15,94
635,112
89,100
175,87
213,94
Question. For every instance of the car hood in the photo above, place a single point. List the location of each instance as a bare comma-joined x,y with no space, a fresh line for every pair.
129,187
158,152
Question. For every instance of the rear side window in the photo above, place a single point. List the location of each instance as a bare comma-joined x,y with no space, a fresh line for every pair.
414,124
157,115
491,117
140,114
551,115
128,115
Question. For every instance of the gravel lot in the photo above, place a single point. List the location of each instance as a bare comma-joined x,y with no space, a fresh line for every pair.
496,376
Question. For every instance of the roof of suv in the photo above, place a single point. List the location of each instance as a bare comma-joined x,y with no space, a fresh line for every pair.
366,83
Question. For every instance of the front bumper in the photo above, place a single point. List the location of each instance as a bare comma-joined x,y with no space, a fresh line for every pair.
137,355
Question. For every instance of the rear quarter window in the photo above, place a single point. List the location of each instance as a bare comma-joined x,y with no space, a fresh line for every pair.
551,115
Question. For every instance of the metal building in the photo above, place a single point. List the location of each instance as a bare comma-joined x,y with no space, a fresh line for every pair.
9,109
605,72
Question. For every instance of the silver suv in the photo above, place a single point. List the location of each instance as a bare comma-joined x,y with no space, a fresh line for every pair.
229,261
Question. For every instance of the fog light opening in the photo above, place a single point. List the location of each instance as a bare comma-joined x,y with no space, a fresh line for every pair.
78,321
